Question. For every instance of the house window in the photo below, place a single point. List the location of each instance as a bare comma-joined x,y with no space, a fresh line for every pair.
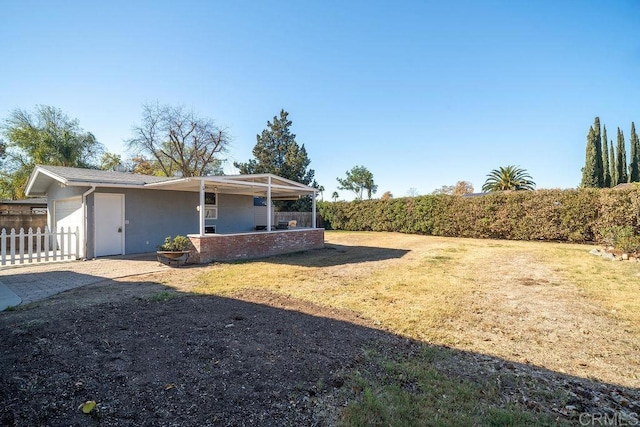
210,212
210,199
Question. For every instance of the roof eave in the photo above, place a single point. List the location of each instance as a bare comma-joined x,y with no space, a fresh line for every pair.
34,177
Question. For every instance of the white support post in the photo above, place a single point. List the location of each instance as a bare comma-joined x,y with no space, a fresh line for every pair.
201,208
269,219
313,211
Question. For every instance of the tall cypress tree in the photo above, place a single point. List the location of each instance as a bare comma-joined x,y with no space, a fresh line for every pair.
634,161
598,146
621,161
590,171
606,171
612,165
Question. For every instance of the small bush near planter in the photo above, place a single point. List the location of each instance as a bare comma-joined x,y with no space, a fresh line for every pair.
178,243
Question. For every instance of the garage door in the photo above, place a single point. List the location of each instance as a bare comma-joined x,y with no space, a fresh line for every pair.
68,213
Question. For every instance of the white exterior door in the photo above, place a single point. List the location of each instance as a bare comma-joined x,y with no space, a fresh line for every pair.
109,224
68,214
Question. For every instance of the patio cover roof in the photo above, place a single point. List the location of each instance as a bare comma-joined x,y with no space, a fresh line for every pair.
253,185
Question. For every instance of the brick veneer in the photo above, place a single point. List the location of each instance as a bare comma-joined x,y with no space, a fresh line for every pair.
232,247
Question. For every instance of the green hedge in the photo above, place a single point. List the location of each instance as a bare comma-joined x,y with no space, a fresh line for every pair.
582,215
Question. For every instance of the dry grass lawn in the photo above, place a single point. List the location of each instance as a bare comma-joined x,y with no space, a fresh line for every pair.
546,304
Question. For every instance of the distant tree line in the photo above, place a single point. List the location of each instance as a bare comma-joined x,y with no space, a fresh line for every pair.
605,164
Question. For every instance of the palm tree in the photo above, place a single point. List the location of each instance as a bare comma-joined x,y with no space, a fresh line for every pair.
335,196
508,178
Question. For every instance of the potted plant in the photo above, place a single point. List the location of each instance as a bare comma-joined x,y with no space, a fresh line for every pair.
176,248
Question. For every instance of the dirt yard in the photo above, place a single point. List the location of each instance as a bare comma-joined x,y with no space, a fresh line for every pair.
150,351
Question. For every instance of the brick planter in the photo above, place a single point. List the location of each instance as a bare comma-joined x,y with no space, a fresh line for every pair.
241,246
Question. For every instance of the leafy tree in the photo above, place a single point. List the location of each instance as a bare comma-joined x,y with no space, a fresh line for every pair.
621,160
110,161
386,195
634,161
591,175
445,189
358,179
606,170
177,142
277,152
461,187
45,136
335,196
508,178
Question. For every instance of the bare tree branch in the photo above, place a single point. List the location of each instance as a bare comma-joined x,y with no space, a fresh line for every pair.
179,141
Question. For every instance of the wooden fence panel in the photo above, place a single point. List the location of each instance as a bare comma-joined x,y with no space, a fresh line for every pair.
38,246
303,219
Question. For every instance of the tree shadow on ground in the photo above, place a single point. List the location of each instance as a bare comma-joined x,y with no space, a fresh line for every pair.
149,355
333,254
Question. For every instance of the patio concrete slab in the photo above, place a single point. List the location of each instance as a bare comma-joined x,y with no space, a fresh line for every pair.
25,284
8,298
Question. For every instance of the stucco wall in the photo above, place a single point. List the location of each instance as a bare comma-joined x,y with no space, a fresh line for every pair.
235,214
152,215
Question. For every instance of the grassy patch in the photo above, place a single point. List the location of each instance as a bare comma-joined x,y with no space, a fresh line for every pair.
410,392
162,296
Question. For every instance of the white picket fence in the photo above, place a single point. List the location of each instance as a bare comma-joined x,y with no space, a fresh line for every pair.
38,246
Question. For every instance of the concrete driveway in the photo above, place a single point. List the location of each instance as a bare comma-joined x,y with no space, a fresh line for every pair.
25,284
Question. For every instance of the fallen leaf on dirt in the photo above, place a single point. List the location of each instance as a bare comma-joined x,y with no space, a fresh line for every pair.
87,406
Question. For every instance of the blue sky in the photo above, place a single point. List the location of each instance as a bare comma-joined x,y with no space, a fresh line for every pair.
422,93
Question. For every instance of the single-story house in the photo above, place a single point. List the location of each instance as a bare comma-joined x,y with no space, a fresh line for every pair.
120,213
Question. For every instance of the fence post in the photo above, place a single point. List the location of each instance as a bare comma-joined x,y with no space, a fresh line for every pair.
77,234
3,246
54,244
13,246
38,244
47,248
30,245
69,247
21,243
61,243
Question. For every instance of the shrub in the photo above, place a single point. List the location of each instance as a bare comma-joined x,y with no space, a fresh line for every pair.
628,244
575,215
611,235
178,243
